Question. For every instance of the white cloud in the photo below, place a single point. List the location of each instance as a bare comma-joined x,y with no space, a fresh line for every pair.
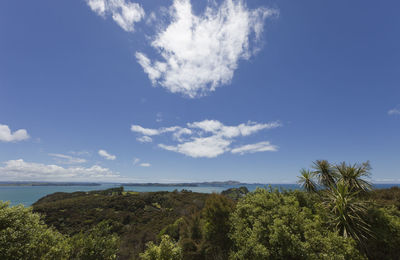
201,52
211,138
136,161
159,117
145,131
145,139
67,159
80,153
151,132
145,164
124,13
106,155
394,111
209,147
28,171
7,136
254,148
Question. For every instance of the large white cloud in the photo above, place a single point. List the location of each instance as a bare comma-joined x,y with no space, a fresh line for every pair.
123,12
7,136
201,52
209,138
14,170
106,155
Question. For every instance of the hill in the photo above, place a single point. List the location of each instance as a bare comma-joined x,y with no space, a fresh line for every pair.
136,217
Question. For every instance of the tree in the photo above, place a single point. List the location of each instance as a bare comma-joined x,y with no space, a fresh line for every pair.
385,225
273,225
353,175
348,213
23,235
216,213
325,173
97,243
167,250
306,180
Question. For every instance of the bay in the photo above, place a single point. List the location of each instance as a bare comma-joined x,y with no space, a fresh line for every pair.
27,195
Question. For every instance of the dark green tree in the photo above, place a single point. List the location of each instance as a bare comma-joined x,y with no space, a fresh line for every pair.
216,214
385,225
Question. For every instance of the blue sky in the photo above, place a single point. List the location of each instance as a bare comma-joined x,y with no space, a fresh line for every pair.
169,91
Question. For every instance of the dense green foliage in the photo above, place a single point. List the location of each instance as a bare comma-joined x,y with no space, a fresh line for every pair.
235,193
336,217
385,226
23,235
167,250
136,217
216,214
274,225
97,243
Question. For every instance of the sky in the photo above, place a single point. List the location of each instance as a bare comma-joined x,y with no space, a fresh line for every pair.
180,90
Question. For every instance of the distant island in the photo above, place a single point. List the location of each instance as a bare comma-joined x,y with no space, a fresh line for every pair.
188,184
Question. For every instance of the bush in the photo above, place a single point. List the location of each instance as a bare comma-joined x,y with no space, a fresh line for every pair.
167,250
385,225
98,243
23,235
273,225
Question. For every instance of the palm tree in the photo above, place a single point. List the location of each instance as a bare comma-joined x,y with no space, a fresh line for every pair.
306,180
347,212
352,175
325,173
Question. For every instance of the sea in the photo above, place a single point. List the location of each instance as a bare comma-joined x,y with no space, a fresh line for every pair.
27,195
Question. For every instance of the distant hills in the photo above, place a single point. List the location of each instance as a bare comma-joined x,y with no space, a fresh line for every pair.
186,184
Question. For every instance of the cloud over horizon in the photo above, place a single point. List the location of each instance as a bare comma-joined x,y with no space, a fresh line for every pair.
201,52
210,138
16,170
7,136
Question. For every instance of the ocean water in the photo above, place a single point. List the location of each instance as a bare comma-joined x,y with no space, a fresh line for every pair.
27,195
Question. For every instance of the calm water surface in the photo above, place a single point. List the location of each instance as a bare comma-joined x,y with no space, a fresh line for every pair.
27,195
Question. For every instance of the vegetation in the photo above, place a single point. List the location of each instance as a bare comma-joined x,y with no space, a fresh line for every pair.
274,225
167,250
235,193
337,216
23,235
137,218
97,243
306,180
